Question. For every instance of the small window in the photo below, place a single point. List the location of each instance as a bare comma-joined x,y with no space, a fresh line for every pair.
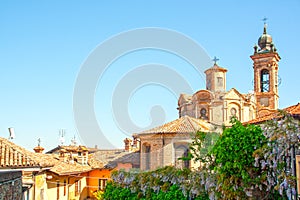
180,152
57,190
102,184
220,81
147,154
65,187
77,187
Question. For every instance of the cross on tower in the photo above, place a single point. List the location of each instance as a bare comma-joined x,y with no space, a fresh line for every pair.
265,20
215,60
39,142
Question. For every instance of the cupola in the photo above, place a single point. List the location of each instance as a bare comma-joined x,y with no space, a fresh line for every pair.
265,42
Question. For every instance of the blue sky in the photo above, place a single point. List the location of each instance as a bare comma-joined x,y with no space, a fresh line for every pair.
43,46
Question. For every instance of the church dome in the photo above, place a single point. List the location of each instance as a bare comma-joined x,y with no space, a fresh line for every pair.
265,40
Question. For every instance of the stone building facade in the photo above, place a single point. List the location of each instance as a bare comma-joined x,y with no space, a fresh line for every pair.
163,145
214,105
217,105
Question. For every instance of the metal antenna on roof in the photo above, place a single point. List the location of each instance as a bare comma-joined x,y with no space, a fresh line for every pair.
11,131
62,133
73,141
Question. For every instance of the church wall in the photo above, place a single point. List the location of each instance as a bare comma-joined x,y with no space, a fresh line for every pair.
155,154
217,114
219,81
246,114
168,154
161,149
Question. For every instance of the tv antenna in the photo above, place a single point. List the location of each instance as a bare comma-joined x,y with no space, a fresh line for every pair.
11,131
62,133
73,141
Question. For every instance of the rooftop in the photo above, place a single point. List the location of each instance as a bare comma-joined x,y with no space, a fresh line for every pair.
184,124
14,156
292,110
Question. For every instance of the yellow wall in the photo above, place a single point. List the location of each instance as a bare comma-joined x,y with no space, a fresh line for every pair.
70,187
46,185
40,187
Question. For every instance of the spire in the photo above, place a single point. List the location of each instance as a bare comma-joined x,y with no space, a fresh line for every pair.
265,40
265,25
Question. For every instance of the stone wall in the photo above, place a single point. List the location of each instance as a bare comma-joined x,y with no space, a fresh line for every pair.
11,185
161,149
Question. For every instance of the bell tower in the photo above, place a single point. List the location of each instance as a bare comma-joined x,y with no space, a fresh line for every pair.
265,64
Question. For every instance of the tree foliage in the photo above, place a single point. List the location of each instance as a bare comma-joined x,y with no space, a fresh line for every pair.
234,161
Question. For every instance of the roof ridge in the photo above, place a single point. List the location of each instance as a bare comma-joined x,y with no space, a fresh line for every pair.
24,157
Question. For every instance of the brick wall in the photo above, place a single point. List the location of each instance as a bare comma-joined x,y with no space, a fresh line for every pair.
11,185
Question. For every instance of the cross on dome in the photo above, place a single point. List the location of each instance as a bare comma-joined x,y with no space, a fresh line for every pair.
215,60
265,20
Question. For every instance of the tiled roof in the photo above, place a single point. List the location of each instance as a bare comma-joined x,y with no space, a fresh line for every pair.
94,162
128,157
63,168
69,148
184,124
292,110
216,68
14,156
109,158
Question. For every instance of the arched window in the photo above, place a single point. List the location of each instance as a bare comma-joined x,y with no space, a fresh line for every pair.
147,150
234,113
203,113
264,81
180,152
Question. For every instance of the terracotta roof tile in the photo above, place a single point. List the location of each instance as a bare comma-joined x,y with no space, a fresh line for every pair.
69,148
106,156
184,124
292,110
216,68
63,168
128,157
14,156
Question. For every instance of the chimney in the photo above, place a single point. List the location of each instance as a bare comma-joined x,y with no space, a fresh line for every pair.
38,149
127,143
82,155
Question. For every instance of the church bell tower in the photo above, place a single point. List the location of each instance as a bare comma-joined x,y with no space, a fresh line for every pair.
265,65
